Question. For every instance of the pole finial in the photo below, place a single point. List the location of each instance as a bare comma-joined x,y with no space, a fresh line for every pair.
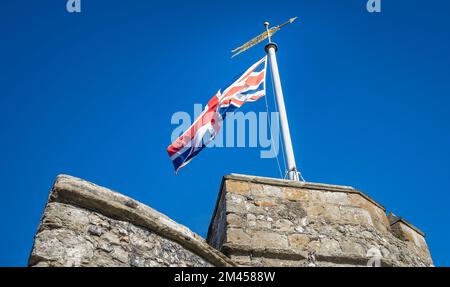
269,37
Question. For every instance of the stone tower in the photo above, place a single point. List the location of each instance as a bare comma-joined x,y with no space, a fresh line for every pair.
257,222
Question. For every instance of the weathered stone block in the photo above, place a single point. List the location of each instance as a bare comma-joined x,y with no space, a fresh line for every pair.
353,249
283,225
237,235
339,198
269,191
332,212
299,241
265,203
295,194
235,220
238,187
329,247
355,215
314,210
242,260
263,239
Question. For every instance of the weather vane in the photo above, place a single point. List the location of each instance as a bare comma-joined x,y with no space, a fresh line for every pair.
264,35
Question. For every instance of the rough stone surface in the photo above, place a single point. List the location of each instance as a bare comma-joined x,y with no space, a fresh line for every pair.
257,222
87,225
267,222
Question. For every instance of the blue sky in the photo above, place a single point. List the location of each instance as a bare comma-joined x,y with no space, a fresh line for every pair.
91,95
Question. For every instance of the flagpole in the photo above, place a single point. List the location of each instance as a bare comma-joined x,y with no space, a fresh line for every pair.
271,50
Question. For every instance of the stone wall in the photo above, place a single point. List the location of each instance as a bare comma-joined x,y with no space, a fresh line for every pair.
267,222
87,225
257,222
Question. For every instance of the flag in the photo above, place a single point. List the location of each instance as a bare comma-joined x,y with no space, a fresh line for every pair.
248,87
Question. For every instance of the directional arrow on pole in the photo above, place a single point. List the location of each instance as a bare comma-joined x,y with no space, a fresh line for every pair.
258,39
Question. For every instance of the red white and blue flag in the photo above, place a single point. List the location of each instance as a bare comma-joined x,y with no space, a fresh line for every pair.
249,87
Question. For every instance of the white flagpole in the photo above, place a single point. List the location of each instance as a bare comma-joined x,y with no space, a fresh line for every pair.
271,49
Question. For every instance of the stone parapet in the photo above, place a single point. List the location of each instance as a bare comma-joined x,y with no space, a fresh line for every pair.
88,225
268,222
256,222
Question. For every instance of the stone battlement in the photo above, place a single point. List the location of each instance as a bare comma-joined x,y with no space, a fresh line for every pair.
256,222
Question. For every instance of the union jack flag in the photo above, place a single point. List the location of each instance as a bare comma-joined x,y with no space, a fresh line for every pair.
249,87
